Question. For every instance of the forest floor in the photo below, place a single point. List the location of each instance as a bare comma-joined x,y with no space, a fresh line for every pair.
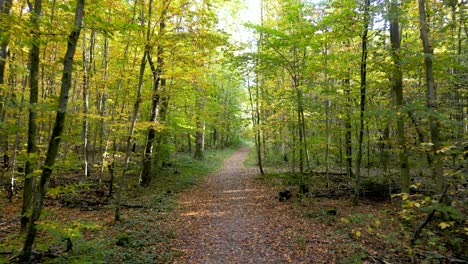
231,219
233,215
234,218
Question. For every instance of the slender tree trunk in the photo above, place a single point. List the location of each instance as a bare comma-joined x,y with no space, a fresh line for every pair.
123,70
161,137
255,120
87,62
136,110
19,123
327,118
303,151
199,139
104,143
28,190
327,149
397,86
363,102
434,127
159,84
256,110
348,127
5,7
300,132
55,138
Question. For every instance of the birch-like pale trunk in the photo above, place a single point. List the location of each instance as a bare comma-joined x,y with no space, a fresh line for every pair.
87,61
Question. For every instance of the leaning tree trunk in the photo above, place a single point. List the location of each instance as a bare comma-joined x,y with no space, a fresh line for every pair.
32,124
434,127
363,101
55,138
136,110
397,86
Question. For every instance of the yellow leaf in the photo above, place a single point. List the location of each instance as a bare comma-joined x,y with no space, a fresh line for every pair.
358,233
377,223
444,225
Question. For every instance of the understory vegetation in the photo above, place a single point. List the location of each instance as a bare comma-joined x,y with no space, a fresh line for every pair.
78,223
382,228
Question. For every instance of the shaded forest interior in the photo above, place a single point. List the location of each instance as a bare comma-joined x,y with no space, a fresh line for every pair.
111,109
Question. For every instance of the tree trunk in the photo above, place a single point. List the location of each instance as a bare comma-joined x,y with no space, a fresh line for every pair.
199,144
255,115
301,130
136,109
158,84
87,62
5,7
55,138
104,143
19,123
363,102
32,123
161,137
115,149
348,127
397,86
434,127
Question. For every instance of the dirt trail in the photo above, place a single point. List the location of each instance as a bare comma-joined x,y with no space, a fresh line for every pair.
231,219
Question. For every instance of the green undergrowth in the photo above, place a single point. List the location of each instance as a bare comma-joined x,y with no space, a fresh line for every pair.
141,236
382,226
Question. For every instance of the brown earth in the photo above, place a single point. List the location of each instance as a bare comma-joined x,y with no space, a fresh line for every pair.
231,218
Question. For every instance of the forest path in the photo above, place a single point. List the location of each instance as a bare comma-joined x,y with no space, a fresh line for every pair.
232,219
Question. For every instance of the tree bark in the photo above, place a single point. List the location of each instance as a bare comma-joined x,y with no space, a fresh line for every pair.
431,99
55,138
87,62
32,123
255,115
363,101
397,86
199,144
158,84
5,7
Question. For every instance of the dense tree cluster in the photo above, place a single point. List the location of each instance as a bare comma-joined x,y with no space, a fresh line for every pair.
148,79
379,85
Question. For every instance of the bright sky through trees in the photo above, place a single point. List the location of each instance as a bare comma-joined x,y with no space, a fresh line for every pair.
249,12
